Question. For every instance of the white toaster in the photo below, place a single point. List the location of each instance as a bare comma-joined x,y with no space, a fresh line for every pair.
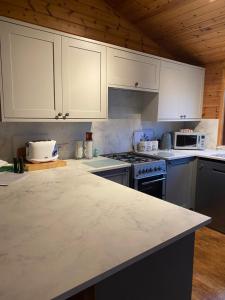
41,151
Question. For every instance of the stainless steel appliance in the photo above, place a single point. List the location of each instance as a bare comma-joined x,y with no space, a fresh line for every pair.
147,175
189,140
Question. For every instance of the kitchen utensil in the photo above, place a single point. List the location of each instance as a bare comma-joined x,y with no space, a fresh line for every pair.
89,136
140,136
79,149
144,146
45,165
88,149
96,152
41,151
166,141
15,165
154,145
88,146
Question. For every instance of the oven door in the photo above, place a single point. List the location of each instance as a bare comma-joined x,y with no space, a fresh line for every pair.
154,186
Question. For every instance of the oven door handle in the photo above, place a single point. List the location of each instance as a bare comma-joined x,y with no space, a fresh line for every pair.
153,181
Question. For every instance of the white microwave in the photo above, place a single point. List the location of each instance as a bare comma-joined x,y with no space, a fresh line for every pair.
189,140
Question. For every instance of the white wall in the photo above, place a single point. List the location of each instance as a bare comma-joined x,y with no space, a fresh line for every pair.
114,135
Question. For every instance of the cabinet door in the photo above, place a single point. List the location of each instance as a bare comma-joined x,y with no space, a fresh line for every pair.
193,96
180,92
171,91
132,71
84,79
31,72
120,176
210,194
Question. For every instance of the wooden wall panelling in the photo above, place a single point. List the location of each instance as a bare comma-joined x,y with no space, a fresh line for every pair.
213,106
88,18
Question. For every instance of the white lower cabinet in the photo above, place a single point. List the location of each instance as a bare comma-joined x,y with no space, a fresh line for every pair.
31,73
84,79
180,92
132,71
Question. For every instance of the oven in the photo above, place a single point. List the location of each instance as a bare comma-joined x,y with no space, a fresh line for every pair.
154,185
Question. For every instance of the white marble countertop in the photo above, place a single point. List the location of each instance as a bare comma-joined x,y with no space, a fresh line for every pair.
65,229
177,154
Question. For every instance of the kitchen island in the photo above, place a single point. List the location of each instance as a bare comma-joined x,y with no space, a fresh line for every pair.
65,230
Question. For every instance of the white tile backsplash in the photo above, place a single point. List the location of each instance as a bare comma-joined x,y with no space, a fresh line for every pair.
209,127
113,135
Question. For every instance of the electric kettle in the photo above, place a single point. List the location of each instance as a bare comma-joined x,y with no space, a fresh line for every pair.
166,141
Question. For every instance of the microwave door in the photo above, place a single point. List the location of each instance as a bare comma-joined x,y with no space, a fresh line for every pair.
187,141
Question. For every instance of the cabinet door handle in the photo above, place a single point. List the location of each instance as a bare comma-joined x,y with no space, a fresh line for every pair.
152,181
66,115
136,84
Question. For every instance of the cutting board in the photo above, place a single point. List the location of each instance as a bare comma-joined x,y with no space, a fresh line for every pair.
46,165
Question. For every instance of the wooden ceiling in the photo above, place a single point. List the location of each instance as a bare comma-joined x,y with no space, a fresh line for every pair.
191,30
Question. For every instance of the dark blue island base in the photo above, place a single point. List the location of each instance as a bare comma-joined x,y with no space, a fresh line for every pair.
163,275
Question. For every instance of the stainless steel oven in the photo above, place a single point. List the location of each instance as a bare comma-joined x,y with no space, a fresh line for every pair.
154,185
147,174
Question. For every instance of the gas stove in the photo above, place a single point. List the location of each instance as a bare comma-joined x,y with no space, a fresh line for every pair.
142,166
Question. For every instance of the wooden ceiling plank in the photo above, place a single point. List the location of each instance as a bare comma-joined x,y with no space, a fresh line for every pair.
165,7
179,11
203,20
217,28
210,38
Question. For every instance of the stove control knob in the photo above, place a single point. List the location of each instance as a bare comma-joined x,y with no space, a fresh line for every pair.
159,168
143,171
150,170
155,169
139,172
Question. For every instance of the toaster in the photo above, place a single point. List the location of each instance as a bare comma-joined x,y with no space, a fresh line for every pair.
41,151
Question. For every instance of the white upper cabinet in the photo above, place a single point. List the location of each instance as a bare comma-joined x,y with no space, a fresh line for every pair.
84,79
193,100
132,71
54,76
31,73
180,92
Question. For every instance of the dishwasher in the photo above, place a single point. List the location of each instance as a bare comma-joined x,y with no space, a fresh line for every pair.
210,192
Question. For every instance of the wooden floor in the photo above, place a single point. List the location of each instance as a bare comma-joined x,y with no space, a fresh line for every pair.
209,265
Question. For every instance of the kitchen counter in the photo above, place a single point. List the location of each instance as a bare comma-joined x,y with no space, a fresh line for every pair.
63,230
97,164
177,154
